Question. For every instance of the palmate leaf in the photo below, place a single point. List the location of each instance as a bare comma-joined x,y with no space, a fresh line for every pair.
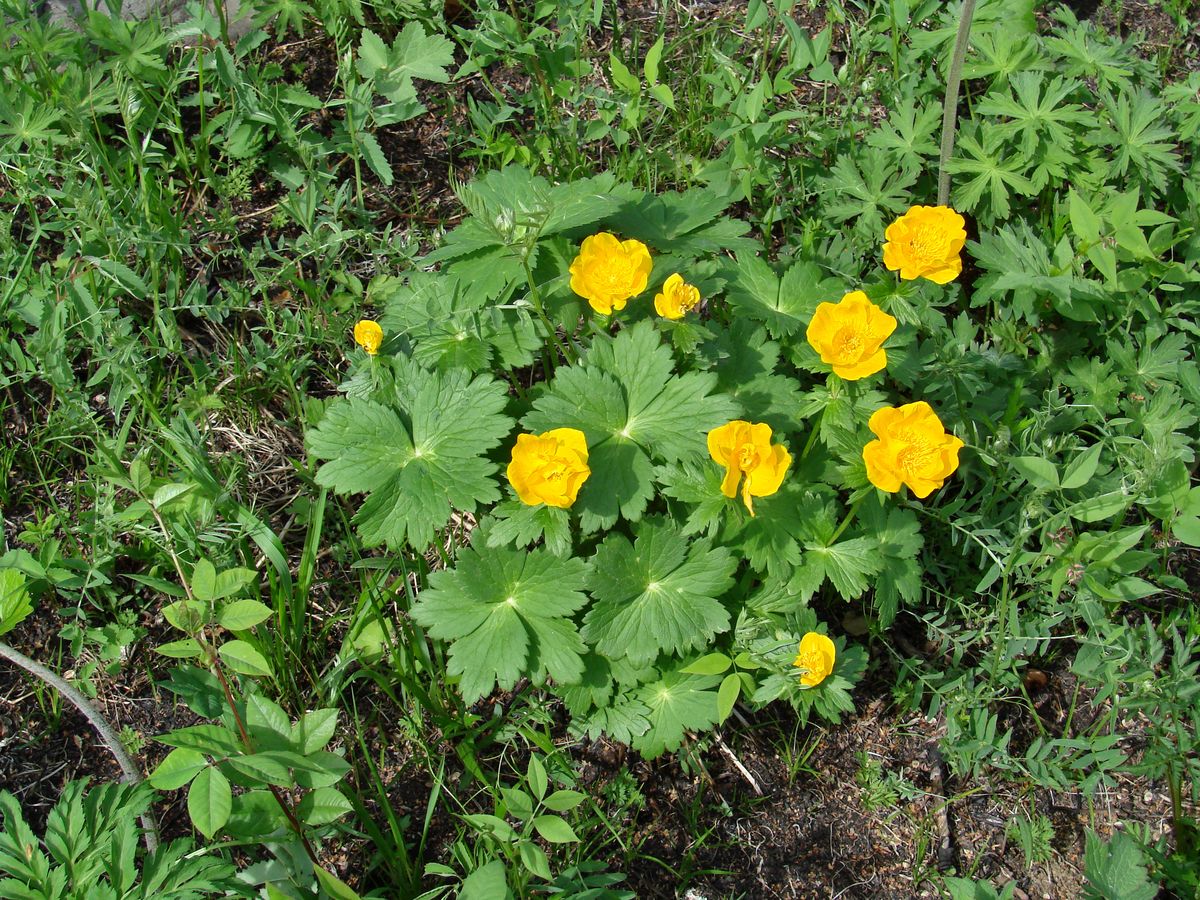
996,174
869,188
785,305
507,614
656,595
418,458
632,409
678,704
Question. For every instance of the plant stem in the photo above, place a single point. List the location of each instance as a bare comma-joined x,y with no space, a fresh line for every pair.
535,297
107,735
950,105
847,519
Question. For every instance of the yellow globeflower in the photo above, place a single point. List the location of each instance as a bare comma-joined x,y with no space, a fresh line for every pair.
368,335
926,242
849,335
913,449
816,657
745,449
677,298
549,467
607,271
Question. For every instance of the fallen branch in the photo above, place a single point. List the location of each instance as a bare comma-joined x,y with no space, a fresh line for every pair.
107,735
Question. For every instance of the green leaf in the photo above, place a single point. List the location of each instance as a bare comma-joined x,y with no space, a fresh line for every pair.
535,860
631,407
1084,221
415,484
15,604
653,57
507,614
1039,472
373,154
314,730
727,695
555,830
712,664
486,883
847,564
1116,869
657,594
1081,469
536,774
622,77
209,801
204,581
243,614
334,886
564,801
179,767
519,524
188,648
678,704
785,305
322,806
1187,530
268,724
244,659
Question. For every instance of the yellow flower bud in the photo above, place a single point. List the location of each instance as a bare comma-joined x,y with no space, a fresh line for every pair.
607,271
849,335
913,449
677,298
368,335
926,242
746,449
816,657
550,467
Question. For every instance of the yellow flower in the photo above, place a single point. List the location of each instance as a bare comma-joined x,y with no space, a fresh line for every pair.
913,449
677,298
925,242
368,335
849,335
607,272
745,449
550,467
816,658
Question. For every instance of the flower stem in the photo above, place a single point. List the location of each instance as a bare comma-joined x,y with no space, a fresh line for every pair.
535,297
847,519
950,105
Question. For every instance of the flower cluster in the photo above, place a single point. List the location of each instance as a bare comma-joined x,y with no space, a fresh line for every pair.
911,447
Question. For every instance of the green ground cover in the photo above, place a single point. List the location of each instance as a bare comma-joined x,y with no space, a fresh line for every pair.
417,537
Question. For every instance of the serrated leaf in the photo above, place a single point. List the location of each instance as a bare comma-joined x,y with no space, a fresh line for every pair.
244,659
506,614
677,704
415,484
209,801
657,594
519,524
847,564
785,305
373,154
631,407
